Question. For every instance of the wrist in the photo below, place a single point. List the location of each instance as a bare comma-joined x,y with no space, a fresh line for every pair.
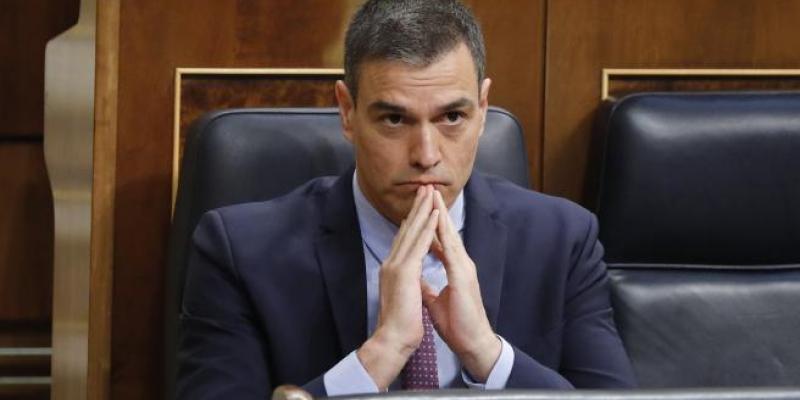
481,358
382,358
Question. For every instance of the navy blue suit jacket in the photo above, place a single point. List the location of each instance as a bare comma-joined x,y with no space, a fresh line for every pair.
276,291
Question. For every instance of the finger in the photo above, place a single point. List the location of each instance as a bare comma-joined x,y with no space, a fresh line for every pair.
416,226
429,295
436,247
437,310
404,225
445,228
453,255
423,241
429,299
398,237
418,198
415,221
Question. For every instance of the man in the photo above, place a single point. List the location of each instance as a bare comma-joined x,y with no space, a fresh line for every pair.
362,283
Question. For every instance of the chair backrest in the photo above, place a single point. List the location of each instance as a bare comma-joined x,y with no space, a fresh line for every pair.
245,155
700,216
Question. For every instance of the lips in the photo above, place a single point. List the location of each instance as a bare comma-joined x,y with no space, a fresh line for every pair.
412,186
423,182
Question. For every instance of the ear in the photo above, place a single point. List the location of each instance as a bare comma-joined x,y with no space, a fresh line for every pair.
346,108
484,101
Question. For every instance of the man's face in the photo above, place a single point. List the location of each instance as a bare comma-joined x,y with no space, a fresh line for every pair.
414,126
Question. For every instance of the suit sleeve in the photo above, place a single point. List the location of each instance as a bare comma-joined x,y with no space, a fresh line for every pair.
593,355
222,353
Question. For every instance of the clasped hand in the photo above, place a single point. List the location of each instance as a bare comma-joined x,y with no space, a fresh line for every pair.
457,311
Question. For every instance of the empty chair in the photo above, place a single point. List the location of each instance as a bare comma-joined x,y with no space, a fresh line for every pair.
700,216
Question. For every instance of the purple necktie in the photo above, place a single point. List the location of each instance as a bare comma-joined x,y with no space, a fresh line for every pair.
420,372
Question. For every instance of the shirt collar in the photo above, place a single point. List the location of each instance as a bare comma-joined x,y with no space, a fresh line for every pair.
378,232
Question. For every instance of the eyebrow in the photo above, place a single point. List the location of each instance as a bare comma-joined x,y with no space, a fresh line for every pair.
382,105
460,103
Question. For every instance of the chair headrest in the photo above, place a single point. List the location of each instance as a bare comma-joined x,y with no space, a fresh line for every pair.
702,179
243,155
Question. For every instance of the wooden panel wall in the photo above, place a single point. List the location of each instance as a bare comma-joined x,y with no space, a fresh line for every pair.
621,83
545,57
585,36
157,36
25,28
26,214
26,256
213,34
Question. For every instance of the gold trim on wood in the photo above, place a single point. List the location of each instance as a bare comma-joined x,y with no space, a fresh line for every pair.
610,73
267,72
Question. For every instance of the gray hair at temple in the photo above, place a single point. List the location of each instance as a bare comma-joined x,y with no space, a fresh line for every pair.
415,32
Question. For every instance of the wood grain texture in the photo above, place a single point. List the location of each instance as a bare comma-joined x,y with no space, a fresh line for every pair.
25,365
31,333
25,391
25,28
26,240
203,93
622,86
156,37
26,257
26,205
103,190
514,34
587,35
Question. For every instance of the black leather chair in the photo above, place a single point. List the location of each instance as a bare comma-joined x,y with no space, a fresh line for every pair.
700,216
244,155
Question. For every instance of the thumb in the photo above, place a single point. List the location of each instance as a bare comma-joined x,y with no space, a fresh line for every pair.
429,296
437,249
435,308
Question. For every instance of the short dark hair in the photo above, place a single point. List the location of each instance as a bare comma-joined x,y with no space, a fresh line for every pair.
416,32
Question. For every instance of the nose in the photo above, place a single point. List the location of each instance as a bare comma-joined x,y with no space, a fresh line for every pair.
425,152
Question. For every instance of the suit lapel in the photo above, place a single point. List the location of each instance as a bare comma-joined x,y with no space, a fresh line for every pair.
485,241
341,258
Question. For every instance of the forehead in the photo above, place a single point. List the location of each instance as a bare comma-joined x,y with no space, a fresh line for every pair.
450,76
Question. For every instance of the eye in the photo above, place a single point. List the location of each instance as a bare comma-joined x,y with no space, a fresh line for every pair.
393,119
453,117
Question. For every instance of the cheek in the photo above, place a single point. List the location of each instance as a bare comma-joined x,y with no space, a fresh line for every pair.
382,157
375,163
464,157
